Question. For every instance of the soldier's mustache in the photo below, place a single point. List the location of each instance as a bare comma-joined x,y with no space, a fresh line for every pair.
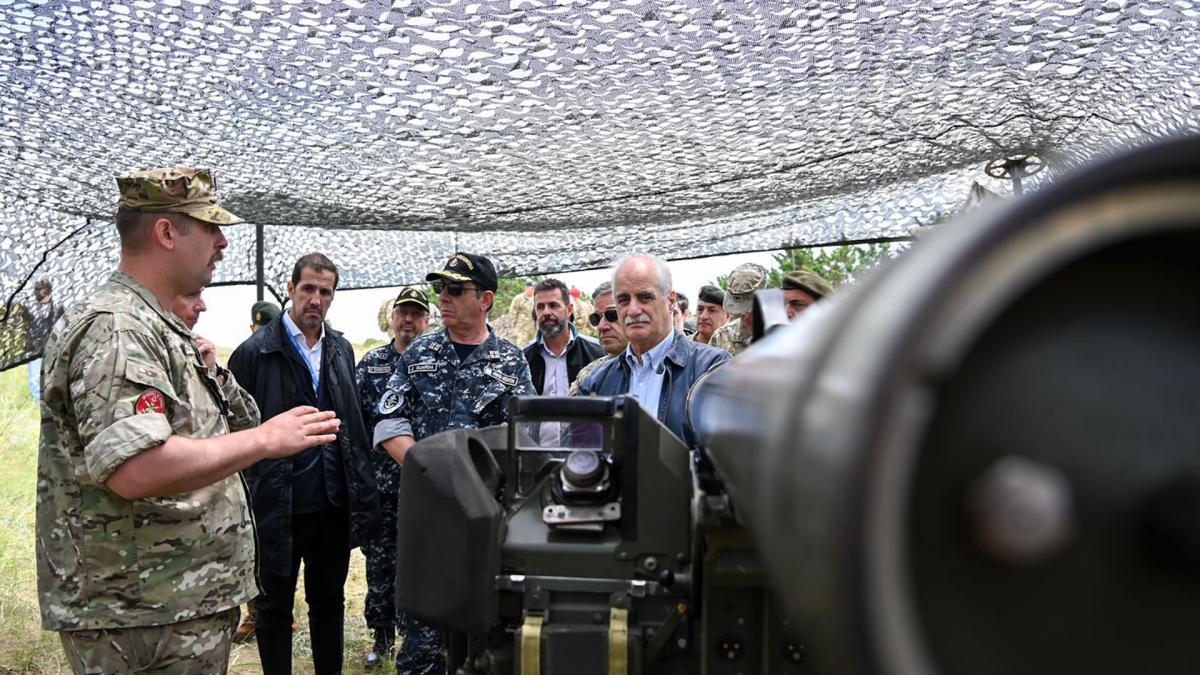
640,318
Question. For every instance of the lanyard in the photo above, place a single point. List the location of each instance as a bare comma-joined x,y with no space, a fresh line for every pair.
316,373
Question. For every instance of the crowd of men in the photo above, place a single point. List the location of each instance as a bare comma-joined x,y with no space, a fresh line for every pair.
166,501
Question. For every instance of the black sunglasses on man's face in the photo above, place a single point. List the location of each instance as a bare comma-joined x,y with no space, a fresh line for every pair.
610,315
451,288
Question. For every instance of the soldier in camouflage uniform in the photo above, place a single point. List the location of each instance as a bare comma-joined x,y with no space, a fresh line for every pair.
145,544
744,280
457,378
410,314
583,309
521,312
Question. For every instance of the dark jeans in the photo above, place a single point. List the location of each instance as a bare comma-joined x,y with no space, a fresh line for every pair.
322,541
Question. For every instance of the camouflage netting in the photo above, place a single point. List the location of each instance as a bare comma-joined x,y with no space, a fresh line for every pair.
554,135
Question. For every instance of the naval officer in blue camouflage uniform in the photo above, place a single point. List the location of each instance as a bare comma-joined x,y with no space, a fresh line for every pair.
409,317
457,378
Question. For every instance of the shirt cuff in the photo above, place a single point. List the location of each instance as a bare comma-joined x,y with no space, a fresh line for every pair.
386,430
122,440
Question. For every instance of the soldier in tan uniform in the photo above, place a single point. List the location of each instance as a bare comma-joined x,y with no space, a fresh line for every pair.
520,310
583,309
145,545
744,280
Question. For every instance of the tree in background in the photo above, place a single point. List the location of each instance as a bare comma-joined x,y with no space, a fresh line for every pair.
508,288
835,264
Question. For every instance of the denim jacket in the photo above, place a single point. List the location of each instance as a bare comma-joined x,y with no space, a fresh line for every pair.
686,361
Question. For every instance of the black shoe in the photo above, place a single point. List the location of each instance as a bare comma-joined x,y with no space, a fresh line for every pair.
381,653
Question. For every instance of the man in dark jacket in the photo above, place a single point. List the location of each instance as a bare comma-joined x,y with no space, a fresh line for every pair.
661,364
559,352
316,506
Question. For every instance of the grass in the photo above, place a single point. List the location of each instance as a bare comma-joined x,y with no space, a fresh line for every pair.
24,646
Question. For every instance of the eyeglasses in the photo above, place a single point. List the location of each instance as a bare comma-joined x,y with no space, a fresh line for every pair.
451,288
610,315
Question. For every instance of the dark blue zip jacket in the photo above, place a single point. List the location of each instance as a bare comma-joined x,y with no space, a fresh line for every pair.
268,366
686,361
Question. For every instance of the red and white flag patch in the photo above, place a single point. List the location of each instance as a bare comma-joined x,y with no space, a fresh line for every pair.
151,401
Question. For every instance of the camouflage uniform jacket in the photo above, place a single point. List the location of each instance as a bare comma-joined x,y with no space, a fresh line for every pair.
371,375
587,370
122,375
732,337
431,391
523,327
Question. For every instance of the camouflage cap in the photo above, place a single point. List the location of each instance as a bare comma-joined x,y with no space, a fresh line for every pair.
413,296
739,290
263,312
799,280
174,190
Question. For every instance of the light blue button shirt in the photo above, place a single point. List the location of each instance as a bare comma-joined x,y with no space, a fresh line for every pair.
312,355
646,379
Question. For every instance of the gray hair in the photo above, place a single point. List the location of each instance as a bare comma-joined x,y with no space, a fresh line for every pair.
605,288
661,270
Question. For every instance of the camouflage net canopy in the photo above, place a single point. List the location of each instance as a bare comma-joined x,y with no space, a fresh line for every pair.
554,135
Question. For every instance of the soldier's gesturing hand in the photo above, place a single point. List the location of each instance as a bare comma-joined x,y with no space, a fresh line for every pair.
299,428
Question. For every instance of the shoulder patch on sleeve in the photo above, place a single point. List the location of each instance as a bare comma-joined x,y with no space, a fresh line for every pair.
389,402
424,367
379,370
151,401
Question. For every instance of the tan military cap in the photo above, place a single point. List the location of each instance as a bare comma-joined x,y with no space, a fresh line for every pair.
174,190
739,288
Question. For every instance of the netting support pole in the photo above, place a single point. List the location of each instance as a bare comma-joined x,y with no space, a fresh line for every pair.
258,260
1015,168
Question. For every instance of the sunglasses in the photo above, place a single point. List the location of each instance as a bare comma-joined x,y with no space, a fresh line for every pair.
610,315
451,288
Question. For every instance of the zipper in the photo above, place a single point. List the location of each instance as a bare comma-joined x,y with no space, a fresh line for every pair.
254,530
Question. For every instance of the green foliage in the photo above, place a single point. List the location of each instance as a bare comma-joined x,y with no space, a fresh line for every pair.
24,646
509,288
835,264
366,346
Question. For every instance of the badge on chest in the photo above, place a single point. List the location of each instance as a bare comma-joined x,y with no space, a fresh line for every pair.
499,376
426,367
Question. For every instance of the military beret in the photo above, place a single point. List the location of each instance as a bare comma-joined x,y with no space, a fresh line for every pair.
711,294
799,280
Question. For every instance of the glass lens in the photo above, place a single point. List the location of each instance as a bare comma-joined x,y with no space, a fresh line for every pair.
453,289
